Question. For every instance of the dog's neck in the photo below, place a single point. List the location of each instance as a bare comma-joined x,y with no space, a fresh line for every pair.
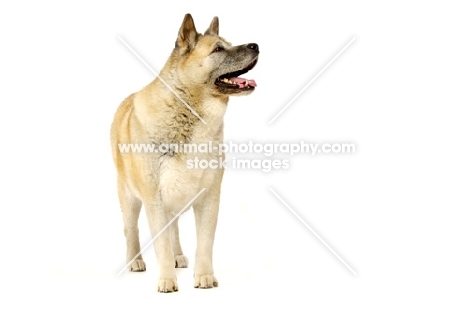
180,124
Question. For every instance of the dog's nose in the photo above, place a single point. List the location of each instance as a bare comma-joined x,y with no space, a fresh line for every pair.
253,47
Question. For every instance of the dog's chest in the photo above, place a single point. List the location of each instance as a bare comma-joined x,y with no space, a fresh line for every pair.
181,177
195,165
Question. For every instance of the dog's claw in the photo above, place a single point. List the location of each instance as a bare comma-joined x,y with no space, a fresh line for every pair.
181,261
138,265
205,281
167,285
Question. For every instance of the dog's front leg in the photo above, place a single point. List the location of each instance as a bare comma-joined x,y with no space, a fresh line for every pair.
206,217
158,218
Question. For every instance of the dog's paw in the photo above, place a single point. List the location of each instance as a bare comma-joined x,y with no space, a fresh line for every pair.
167,285
138,265
205,281
181,261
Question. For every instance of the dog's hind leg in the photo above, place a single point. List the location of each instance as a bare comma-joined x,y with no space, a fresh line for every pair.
180,260
131,207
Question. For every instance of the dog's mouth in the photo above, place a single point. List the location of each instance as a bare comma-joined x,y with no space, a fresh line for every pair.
232,80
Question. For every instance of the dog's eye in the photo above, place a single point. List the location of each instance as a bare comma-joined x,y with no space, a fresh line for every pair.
218,49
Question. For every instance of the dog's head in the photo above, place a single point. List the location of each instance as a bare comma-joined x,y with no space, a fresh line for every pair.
210,60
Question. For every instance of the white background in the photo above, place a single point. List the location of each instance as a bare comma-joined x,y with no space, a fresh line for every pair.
395,210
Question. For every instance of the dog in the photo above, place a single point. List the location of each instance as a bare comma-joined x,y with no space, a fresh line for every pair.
185,104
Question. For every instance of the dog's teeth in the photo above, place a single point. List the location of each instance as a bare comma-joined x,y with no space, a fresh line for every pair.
225,80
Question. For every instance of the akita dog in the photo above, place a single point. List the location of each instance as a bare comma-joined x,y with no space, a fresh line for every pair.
184,105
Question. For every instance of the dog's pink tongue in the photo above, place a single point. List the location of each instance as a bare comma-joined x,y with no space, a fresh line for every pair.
243,82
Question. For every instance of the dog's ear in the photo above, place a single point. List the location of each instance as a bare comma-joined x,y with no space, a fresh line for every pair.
187,34
214,27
